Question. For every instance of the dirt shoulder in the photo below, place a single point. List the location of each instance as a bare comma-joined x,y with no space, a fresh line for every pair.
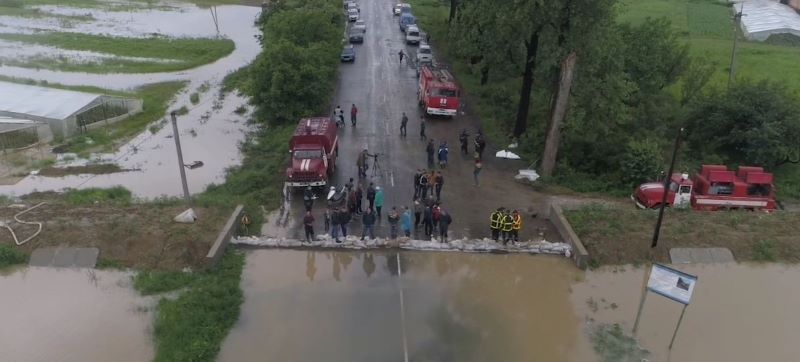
622,235
141,236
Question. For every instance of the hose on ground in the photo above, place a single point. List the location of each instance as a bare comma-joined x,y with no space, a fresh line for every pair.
16,217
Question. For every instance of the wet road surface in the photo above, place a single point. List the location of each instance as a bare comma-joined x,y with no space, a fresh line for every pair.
382,88
72,315
346,306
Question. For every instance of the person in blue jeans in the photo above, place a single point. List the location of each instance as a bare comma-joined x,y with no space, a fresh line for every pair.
368,220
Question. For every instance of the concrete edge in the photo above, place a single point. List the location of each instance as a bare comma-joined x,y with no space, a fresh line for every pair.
224,237
579,253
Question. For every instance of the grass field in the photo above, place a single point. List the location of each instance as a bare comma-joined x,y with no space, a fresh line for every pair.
621,235
183,53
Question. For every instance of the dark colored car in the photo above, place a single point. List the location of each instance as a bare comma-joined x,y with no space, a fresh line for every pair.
356,36
348,54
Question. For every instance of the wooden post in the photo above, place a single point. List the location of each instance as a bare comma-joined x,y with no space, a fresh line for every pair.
677,326
641,302
558,114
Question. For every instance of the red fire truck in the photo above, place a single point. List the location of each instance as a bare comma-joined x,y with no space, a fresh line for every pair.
714,188
438,92
313,148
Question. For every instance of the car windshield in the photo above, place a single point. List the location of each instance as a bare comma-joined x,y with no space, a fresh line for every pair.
303,154
352,11
425,50
361,22
442,92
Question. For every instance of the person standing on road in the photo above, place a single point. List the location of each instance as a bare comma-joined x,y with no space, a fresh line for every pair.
444,223
439,184
359,198
422,135
496,223
464,139
308,198
477,170
403,124
417,212
394,220
423,185
353,113
361,162
427,221
378,201
430,149
436,214
442,153
335,221
405,221
368,220
508,226
339,114
417,176
516,225
480,144
308,222
371,195
343,221
401,54
351,202
327,217
349,185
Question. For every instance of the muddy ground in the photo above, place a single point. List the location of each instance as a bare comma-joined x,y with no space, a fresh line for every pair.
141,236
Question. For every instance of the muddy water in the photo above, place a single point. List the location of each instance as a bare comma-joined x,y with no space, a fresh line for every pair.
72,315
344,306
739,312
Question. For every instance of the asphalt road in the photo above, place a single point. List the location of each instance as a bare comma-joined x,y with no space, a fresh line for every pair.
382,88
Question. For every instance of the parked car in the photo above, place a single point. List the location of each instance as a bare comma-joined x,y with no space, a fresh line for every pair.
352,14
412,34
351,5
361,25
405,8
424,53
396,9
348,53
406,20
356,36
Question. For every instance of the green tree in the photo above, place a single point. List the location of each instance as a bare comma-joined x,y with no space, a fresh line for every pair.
642,162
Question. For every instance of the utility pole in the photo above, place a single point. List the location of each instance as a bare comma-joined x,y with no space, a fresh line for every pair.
667,181
737,20
180,158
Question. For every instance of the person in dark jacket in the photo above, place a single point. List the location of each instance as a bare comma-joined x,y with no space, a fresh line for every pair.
335,221
439,183
308,198
417,176
359,198
430,149
444,223
418,207
344,219
308,222
368,221
423,185
371,195
394,221
427,221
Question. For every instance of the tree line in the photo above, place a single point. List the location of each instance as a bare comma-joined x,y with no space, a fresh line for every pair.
601,101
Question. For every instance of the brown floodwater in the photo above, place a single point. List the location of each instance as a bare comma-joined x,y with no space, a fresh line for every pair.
66,315
739,312
346,306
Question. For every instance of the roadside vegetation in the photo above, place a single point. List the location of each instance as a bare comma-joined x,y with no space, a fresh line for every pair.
176,53
622,235
131,5
9,255
649,68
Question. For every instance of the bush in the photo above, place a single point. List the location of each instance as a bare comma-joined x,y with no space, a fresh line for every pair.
11,256
115,195
641,162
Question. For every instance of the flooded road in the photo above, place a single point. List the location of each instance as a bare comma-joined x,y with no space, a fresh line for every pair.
345,306
72,315
739,312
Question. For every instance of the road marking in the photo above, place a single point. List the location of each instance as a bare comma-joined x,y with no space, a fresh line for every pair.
391,177
402,308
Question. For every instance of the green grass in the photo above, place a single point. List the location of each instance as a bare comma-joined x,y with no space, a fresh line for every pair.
193,326
787,181
764,250
156,99
11,256
185,52
116,195
194,98
613,345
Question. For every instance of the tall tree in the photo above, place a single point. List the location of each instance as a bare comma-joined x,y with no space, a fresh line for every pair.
530,21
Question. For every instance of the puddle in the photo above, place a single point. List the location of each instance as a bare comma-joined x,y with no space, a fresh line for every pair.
213,140
72,315
739,312
19,52
235,23
345,306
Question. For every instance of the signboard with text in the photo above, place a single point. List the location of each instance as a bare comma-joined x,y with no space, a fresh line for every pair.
671,283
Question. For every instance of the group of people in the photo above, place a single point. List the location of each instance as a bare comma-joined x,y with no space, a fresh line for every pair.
505,224
339,114
434,218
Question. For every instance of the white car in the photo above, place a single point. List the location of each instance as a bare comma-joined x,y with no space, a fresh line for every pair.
360,25
412,35
400,8
352,14
424,54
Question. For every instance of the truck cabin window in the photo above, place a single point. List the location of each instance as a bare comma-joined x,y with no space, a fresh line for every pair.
721,188
686,189
303,154
758,190
673,186
441,92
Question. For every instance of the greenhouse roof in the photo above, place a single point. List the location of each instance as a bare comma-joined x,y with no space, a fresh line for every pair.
41,101
763,18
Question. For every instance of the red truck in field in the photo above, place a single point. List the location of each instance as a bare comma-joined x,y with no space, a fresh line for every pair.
313,148
438,92
713,188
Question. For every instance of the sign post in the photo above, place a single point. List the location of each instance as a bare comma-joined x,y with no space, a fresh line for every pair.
672,284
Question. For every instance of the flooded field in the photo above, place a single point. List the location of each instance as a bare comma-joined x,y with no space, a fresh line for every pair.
345,306
72,315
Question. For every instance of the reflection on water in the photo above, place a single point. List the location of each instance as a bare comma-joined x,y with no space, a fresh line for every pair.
323,305
72,315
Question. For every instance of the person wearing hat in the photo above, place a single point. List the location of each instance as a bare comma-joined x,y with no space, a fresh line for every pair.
378,201
444,222
516,225
495,223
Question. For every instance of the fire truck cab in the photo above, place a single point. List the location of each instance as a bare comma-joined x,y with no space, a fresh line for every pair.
438,92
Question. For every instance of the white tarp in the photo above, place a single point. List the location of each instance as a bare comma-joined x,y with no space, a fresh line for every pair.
763,18
671,283
507,154
41,101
